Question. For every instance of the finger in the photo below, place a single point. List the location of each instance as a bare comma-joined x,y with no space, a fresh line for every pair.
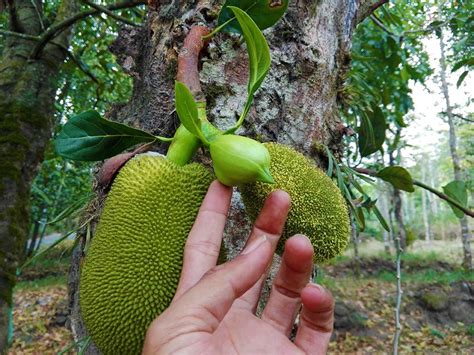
295,271
316,320
204,241
204,306
270,222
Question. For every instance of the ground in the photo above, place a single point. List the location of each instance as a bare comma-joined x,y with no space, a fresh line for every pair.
437,311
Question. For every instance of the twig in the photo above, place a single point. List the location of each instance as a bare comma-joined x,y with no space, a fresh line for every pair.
19,35
441,195
77,61
110,13
461,117
403,34
380,24
38,13
55,30
398,325
71,55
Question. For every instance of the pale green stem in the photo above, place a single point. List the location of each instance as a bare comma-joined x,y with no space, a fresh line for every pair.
217,29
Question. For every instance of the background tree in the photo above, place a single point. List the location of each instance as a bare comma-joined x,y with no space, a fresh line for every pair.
459,175
37,39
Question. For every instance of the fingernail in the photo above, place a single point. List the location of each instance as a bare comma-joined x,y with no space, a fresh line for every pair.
318,287
255,244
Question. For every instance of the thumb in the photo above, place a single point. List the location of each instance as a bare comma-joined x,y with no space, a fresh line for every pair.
212,297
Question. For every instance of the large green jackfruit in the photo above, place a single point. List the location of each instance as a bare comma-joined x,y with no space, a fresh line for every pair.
133,265
318,209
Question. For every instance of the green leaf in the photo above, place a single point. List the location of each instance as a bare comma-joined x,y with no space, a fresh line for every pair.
358,213
73,208
469,62
457,191
372,131
89,137
259,59
187,111
258,50
461,78
265,13
399,177
381,219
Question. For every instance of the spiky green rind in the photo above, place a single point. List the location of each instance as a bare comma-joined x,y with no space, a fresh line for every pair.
318,209
134,262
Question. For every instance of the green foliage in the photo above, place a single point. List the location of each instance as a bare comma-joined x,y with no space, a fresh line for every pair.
187,111
377,95
89,137
371,131
263,12
399,177
458,192
460,22
259,58
56,187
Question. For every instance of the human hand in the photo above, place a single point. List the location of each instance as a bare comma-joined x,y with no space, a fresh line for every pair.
213,311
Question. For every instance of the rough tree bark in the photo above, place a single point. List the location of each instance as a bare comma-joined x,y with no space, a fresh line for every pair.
297,105
27,93
458,174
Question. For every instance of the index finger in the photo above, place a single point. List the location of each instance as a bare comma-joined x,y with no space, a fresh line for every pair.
204,241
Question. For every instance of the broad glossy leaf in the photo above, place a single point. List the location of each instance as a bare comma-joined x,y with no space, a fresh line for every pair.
89,137
265,13
399,177
457,191
258,50
372,131
259,58
187,110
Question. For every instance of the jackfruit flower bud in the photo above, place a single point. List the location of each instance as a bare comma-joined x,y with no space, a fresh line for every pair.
240,160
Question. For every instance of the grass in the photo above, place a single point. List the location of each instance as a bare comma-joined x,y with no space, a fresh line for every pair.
429,276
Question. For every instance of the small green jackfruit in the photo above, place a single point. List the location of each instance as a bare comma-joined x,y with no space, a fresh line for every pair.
318,209
133,265
240,160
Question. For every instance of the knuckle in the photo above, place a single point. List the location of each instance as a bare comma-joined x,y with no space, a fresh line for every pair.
202,247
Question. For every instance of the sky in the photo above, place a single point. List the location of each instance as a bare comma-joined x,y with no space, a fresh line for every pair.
425,131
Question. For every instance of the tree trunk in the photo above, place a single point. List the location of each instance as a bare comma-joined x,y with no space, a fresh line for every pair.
27,93
297,104
465,233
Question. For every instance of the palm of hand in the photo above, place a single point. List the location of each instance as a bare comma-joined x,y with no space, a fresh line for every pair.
213,311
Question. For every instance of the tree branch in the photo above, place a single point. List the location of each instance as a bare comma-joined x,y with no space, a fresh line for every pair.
367,8
188,59
460,116
71,55
56,29
110,13
380,24
19,35
441,195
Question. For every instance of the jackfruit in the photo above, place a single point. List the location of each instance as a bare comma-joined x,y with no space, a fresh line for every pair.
239,160
134,262
318,209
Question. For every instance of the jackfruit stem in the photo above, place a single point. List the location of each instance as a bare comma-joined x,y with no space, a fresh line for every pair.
183,147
